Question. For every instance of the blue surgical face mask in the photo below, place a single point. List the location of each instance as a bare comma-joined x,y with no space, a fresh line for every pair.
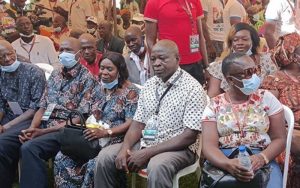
11,68
67,59
111,84
249,85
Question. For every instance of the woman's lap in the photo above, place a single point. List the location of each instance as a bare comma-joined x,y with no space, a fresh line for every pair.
276,180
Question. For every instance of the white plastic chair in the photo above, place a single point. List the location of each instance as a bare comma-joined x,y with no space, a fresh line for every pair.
183,172
289,117
46,68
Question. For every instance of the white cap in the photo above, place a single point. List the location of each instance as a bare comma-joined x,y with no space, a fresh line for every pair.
92,19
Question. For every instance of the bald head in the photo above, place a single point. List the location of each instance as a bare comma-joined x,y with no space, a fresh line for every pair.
165,59
7,53
70,44
105,29
134,30
75,33
168,45
88,47
59,21
86,37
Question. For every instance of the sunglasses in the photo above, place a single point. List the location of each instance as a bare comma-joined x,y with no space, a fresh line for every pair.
247,73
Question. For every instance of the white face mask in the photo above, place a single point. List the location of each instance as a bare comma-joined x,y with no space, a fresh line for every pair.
26,36
249,51
57,29
91,31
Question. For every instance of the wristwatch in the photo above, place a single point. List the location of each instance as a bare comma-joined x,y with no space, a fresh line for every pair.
109,131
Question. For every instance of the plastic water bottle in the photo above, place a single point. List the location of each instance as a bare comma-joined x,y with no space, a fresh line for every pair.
244,158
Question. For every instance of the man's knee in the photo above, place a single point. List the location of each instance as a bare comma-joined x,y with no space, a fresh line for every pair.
26,148
105,158
157,168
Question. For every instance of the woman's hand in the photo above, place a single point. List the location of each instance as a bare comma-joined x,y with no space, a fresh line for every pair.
239,172
257,162
95,133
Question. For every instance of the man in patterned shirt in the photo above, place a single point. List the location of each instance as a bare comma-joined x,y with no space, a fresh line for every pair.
69,88
167,122
22,86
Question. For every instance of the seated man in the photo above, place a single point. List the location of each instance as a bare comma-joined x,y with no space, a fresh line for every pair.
90,58
108,42
35,48
168,120
137,60
69,88
22,86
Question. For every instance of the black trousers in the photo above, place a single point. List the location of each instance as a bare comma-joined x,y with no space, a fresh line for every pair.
9,152
34,153
195,70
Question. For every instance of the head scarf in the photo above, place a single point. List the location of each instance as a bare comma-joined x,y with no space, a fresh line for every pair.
283,52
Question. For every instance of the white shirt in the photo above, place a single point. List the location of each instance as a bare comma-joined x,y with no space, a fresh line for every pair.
142,66
39,50
281,12
233,9
215,22
181,107
79,10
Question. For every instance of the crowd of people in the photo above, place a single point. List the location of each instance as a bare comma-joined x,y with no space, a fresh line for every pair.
147,71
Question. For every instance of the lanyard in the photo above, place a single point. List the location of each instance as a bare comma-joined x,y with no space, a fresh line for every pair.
245,116
187,8
165,92
31,46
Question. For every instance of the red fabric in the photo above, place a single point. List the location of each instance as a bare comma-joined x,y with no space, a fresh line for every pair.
93,68
174,24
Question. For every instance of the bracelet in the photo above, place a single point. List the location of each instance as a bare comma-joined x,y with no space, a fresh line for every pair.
265,157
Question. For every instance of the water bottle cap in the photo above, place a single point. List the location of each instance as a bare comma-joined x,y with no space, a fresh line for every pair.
242,148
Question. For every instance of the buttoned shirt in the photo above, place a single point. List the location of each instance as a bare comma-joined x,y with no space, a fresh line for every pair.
24,86
181,107
39,50
75,89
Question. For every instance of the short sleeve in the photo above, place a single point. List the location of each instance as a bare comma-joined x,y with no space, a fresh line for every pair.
131,103
197,101
199,9
215,69
151,11
273,10
140,114
271,104
209,114
237,10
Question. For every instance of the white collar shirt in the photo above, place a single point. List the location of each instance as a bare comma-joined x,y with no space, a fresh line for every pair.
39,50
181,107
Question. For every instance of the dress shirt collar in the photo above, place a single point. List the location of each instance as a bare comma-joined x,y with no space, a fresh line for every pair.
171,79
71,73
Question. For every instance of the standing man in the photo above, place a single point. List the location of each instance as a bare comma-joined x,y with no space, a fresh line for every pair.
92,26
69,88
22,86
280,20
108,42
179,21
168,120
90,57
35,48
137,59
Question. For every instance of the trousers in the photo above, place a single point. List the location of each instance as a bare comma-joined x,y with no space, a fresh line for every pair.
9,152
160,169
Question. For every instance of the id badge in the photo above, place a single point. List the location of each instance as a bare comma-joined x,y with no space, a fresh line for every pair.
48,112
151,130
15,108
194,43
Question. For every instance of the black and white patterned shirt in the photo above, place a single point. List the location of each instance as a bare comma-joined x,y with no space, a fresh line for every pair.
25,86
181,107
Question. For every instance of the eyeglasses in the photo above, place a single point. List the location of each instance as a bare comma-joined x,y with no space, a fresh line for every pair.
247,73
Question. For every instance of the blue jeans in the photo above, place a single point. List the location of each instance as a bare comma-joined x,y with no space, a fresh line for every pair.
276,179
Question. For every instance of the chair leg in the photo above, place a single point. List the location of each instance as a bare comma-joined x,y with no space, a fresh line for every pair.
133,180
19,171
175,182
